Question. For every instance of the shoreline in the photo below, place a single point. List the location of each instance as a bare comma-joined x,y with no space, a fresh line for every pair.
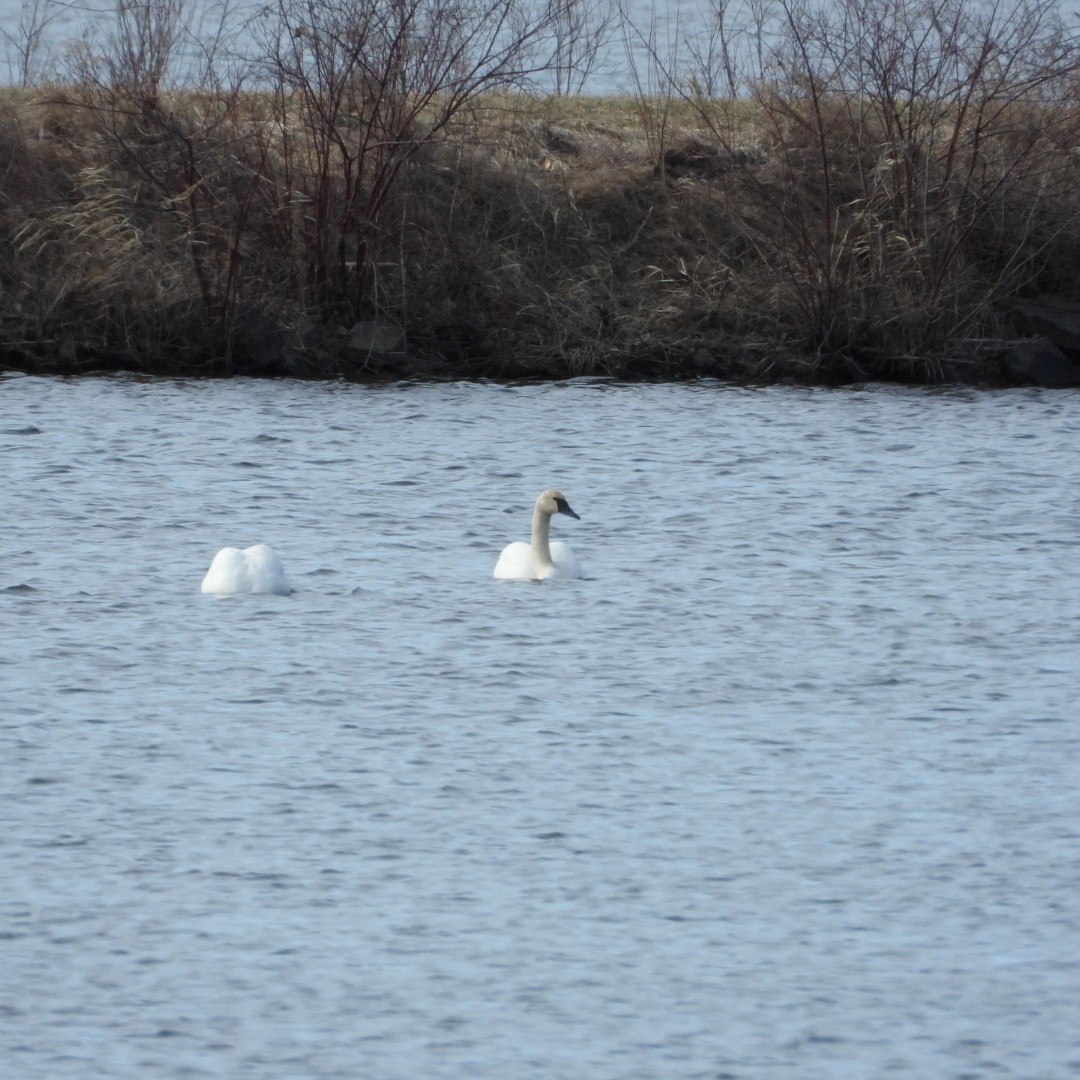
375,353
987,372
523,238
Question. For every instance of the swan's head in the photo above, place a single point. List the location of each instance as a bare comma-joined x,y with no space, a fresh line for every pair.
554,502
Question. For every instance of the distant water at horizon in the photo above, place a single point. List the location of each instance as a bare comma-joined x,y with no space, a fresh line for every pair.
67,21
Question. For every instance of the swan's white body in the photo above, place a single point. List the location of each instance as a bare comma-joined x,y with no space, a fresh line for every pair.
541,558
254,570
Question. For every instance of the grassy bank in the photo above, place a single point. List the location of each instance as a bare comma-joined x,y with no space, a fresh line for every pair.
835,214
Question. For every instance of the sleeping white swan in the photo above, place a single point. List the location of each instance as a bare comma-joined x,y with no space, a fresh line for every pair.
254,570
540,559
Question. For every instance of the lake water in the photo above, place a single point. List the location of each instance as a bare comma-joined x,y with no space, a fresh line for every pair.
787,788
67,21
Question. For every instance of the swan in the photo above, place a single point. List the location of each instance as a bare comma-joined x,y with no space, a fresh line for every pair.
256,569
530,562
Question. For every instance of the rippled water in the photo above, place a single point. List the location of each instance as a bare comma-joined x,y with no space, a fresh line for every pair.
787,788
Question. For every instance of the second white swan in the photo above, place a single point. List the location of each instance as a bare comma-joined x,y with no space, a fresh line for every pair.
256,569
541,558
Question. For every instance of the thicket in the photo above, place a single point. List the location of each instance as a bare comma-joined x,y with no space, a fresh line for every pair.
819,190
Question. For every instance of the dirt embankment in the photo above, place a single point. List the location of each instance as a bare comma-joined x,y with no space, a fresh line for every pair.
517,238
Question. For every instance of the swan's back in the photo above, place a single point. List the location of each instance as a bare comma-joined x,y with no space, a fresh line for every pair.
256,569
566,562
516,563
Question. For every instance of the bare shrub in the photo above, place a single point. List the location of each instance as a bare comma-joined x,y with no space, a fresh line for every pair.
132,50
278,194
171,150
25,42
650,64
581,32
899,133
360,89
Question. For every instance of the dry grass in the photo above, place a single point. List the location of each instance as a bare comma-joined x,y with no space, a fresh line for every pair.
530,235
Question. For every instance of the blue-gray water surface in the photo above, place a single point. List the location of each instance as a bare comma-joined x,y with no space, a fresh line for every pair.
786,788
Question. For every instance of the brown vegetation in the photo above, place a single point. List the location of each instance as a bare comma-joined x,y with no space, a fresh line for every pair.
858,191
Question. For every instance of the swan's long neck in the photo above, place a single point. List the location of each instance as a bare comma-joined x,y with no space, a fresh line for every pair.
541,551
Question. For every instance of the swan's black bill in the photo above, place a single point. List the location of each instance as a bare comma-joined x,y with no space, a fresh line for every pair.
564,508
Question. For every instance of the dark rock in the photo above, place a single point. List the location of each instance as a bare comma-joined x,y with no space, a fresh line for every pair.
263,347
310,334
463,345
259,344
957,373
373,350
557,140
529,367
697,158
853,371
70,357
324,363
1039,362
15,358
1058,322
94,358
299,362
424,366
747,155
642,367
369,342
692,159
391,364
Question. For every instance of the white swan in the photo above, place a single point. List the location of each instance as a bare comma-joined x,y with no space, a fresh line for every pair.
254,570
540,559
